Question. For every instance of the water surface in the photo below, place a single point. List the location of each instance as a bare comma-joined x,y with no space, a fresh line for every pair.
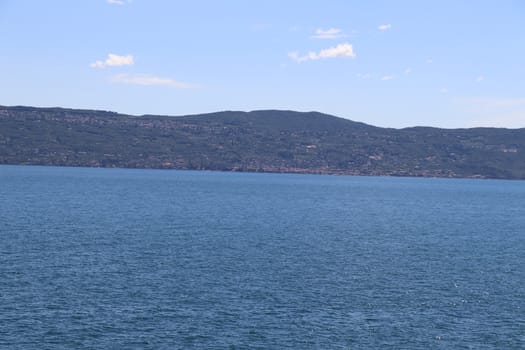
151,259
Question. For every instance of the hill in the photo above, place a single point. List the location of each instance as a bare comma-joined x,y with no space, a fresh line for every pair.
269,140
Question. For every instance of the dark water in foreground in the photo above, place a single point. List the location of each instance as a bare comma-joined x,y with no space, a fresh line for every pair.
145,259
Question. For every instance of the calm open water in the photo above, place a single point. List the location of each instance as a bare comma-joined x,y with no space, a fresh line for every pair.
152,259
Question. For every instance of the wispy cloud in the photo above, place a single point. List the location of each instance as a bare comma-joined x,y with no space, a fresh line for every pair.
332,33
408,70
480,78
443,90
260,26
384,27
150,80
365,76
117,2
387,77
482,103
340,51
494,112
429,61
114,60
513,120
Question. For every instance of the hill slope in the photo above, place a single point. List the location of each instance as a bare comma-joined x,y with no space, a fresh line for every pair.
276,141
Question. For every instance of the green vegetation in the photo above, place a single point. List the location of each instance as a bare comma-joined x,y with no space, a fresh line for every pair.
270,141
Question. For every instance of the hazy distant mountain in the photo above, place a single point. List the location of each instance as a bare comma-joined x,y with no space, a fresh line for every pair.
269,140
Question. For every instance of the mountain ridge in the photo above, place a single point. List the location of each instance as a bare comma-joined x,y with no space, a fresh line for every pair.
259,140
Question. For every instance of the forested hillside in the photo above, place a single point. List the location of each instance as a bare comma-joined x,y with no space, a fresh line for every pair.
269,140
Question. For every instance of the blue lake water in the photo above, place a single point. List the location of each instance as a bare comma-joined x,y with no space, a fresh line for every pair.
153,259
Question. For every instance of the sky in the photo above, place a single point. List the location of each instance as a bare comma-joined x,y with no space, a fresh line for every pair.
450,64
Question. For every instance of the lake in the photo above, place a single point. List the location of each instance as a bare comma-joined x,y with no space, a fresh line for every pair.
155,259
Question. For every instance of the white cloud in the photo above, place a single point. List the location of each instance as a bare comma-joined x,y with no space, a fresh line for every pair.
443,90
332,33
295,56
480,78
384,27
387,77
342,50
113,61
430,61
149,80
117,2
408,70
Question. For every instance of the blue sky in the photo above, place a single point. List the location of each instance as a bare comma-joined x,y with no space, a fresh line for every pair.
386,63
